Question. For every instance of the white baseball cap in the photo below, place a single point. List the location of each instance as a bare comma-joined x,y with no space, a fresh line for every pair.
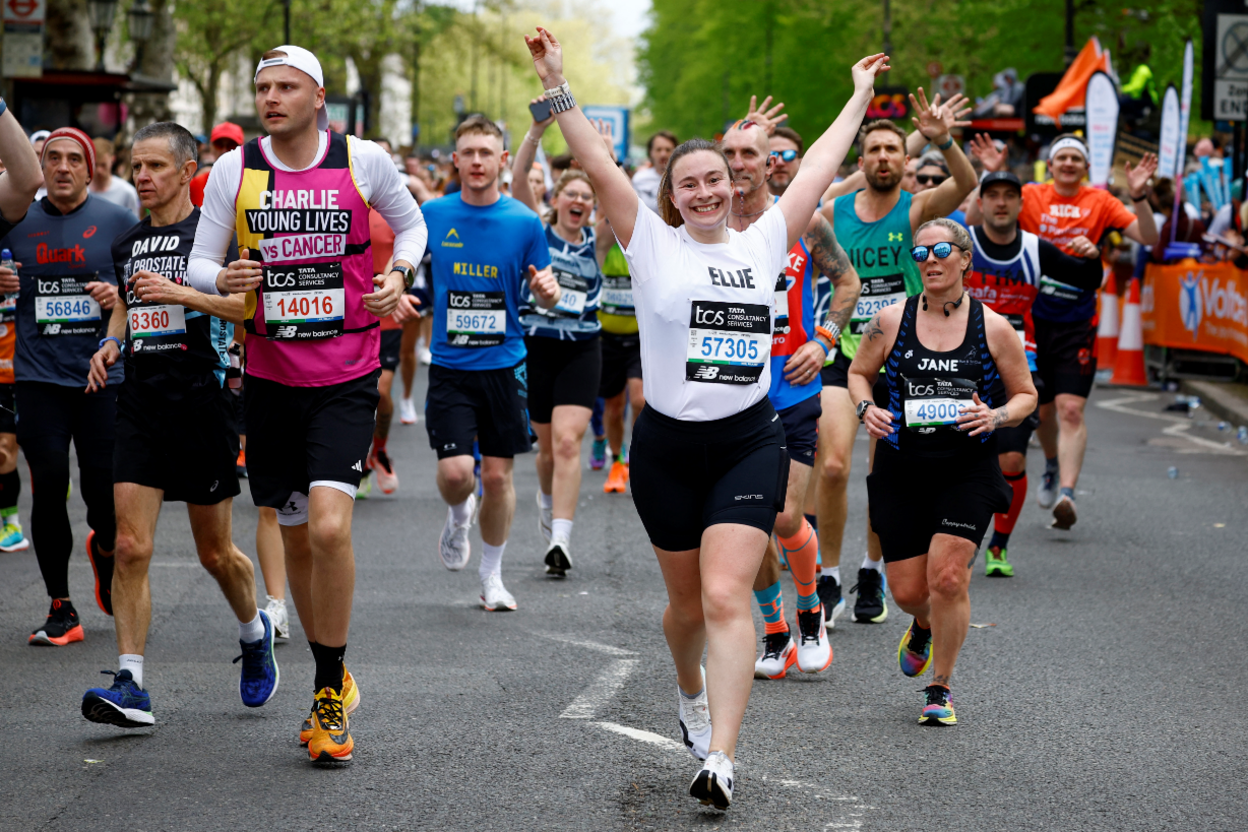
304,61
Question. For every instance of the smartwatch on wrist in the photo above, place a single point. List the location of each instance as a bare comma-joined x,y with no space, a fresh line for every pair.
862,408
409,275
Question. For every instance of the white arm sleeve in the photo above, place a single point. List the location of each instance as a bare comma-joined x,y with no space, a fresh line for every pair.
386,191
216,224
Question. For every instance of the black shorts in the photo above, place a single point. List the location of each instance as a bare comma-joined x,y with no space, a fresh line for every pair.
1065,358
561,372
688,476
801,429
391,341
836,374
186,447
1015,439
490,406
297,436
621,360
8,409
910,499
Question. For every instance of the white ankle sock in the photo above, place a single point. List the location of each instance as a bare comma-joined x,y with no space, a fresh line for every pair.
253,630
877,565
134,663
835,572
561,529
548,500
491,560
460,513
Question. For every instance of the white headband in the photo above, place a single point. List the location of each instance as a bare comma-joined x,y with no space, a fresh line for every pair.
1068,143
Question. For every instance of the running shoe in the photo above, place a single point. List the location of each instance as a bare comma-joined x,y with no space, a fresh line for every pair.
814,651
103,568
331,740
124,704
830,599
276,609
350,701
712,786
779,654
60,628
617,479
914,653
1046,494
494,596
598,454
240,465
12,539
870,607
558,558
695,720
407,412
426,357
545,517
1064,514
260,675
366,486
453,546
996,565
387,480
938,709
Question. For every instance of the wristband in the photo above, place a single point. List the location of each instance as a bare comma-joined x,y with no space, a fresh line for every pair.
948,144
120,346
820,345
832,335
1142,197
560,98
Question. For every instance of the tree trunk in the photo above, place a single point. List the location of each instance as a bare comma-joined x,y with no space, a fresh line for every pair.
157,65
70,41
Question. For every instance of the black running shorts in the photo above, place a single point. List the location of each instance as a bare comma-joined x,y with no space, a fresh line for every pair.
836,374
621,360
910,499
490,406
300,435
391,339
8,409
186,447
801,429
688,476
561,373
1016,439
1065,358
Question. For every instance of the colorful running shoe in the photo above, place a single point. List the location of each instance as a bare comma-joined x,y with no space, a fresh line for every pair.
366,486
712,786
814,651
598,454
870,607
617,479
695,720
350,701
12,539
331,738
830,599
387,480
260,675
102,566
938,709
779,654
1046,493
1064,515
61,626
914,653
996,565
240,465
124,704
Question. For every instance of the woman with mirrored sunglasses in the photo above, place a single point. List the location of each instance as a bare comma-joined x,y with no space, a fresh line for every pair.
955,372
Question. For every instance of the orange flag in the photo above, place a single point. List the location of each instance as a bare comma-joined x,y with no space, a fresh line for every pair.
1070,90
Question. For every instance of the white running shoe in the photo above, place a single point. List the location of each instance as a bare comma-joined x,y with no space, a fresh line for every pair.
1064,515
545,517
494,596
276,610
695,721
407,412
779,654
1046,493
713,784
453,545
558,558
426,357
814,651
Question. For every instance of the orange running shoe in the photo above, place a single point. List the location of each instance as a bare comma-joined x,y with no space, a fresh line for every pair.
331,740
60,628
617,480
240,464
350,701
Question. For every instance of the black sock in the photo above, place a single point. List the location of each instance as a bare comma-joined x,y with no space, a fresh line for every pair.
1000,540
813,521
10,488
329,669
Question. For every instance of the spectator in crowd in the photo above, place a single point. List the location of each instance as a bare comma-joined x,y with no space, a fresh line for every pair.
107,186
646,180
1182,229
537,182
225,137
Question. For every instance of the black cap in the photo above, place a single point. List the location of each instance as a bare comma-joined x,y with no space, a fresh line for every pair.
1000,176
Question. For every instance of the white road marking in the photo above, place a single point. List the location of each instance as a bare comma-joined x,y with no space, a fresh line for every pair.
588,645
1180,427
643,736
601,691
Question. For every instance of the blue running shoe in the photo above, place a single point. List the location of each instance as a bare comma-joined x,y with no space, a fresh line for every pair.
598,455
12,539
125,704
260,674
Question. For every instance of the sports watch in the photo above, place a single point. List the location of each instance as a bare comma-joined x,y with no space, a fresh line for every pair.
409,275
862,408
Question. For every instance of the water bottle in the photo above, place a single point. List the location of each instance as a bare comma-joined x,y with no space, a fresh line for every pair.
1223,425
1242,435
10,298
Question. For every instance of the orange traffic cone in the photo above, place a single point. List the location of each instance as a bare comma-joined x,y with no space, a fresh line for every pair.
1129,363
1107,329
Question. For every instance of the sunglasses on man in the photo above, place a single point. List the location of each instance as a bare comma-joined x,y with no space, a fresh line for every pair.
785,155
933,179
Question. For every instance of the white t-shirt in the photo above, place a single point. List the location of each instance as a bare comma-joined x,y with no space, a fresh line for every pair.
120,192
646,184
705,314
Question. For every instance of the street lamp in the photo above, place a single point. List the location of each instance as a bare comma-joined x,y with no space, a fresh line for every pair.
141,17
101,13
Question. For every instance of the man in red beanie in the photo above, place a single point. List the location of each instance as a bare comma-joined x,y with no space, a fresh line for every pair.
225,137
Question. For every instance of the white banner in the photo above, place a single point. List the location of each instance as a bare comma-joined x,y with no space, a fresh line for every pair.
1185,112
1102,113
1168,149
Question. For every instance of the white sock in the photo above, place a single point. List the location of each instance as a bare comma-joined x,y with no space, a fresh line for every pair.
407,401
460,513
134,663
548,500
253,630
491,560
561,529
835,572
877,565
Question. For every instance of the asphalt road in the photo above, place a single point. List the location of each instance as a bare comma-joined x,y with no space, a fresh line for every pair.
1104,693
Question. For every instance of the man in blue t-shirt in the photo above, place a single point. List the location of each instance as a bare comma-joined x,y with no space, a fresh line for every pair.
488,252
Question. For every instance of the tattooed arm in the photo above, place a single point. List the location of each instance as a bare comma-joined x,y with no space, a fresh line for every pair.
877,340
831,259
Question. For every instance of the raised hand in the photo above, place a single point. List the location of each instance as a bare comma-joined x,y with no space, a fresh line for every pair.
607,130
1138,176
956,108
765,115
931,117
985,150
867,70
547,57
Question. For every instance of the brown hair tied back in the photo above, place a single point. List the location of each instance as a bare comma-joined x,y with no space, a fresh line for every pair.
667,209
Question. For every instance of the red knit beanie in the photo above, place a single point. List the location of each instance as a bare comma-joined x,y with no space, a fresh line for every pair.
88,147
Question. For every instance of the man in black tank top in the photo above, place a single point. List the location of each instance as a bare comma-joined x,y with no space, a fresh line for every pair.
955,372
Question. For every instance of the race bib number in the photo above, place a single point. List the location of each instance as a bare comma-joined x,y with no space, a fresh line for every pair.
936,402
304,302
1057,289
156,321
617,295
729,343
8,306
574,290
63,307
476,319
877,293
